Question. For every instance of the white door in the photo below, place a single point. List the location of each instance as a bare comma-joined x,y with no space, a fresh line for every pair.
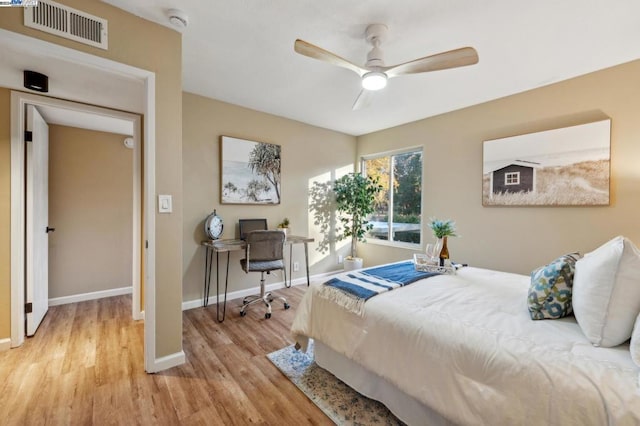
37,200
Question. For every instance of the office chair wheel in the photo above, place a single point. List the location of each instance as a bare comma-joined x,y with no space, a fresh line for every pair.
267,315
287,306
243,313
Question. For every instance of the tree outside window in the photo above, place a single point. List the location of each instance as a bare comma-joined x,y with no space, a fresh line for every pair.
398,207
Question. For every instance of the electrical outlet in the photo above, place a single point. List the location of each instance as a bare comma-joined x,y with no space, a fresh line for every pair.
340,258
296,266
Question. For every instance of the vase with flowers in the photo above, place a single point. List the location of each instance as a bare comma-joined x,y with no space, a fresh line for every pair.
442,229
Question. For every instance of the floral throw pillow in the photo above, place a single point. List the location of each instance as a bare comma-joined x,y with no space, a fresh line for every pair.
550,289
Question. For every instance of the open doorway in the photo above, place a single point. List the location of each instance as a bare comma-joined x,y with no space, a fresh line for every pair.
87,117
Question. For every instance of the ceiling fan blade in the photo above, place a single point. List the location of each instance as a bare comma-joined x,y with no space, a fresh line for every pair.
440,61
363,100
315,52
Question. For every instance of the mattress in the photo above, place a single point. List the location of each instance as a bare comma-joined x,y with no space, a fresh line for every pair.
465,346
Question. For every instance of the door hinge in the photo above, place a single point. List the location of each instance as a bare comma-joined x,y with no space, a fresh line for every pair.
146,244
28,136
28,308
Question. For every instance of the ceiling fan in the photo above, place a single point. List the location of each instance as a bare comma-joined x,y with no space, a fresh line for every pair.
375,73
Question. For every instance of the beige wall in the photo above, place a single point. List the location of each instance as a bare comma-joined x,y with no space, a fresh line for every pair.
91,208
143,44
308,153
519,239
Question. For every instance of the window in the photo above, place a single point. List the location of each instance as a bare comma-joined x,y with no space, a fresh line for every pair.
512,178
398,207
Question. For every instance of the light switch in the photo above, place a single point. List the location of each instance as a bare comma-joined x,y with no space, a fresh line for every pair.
164,204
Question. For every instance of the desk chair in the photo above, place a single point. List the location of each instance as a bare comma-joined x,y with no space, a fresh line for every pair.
263,253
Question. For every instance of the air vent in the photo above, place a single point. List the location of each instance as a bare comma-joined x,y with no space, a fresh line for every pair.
67,22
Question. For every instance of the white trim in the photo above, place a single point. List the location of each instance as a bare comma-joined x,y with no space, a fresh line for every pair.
198,303
83,297
391,152
151,365
5,344
17,223
20,42
137,221
46,49
169,361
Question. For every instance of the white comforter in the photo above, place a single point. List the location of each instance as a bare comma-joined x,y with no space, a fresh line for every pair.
465,346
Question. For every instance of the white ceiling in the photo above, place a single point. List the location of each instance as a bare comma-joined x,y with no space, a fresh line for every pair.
86,120
241,51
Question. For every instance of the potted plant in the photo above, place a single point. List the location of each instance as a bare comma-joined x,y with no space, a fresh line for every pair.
354,202
284,226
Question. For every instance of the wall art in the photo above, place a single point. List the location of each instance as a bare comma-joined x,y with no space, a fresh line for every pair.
560,167
250,172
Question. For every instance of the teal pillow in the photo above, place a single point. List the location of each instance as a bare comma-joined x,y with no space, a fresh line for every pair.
550,289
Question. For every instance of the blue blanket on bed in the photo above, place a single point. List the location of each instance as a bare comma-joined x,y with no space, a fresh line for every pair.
352,289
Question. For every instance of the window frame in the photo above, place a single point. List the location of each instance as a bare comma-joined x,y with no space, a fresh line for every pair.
508,175
388,241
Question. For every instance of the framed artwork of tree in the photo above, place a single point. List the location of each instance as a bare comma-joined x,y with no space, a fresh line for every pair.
250,172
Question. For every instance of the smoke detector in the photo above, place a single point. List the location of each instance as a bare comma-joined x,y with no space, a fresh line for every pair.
178,18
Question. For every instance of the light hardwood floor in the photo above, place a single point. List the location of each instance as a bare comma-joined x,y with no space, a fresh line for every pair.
85,366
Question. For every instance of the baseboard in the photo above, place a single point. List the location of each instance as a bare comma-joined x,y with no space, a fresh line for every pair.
198,303
89,296
168,361
5,344
139,316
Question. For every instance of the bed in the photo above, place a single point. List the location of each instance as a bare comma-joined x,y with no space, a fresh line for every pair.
462,349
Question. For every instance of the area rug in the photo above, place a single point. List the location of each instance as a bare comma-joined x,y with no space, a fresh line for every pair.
338,401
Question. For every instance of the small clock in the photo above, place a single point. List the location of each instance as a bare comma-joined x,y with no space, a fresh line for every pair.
213,226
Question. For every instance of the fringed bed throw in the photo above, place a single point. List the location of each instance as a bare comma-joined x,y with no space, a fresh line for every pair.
352,289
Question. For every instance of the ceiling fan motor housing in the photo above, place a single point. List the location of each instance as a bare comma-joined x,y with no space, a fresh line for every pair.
375,58
375,35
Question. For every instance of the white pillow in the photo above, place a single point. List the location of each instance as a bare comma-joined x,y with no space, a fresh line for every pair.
606,292
635,343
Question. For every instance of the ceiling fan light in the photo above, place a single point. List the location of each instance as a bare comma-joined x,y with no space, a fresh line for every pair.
374,80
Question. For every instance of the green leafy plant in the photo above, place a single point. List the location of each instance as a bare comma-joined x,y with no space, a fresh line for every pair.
284,223
442,228
355,195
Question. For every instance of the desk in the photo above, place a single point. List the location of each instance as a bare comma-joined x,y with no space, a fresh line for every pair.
222,246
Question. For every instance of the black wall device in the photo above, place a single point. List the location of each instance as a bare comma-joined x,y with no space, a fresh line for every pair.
36,81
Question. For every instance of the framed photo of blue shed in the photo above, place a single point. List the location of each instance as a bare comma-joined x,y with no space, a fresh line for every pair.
560,167
250,172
